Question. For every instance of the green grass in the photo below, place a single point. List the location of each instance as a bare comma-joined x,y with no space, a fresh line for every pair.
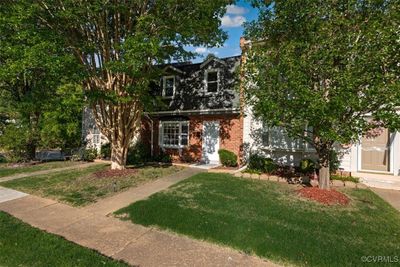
80,187
23,245
345,178
270,220
6,170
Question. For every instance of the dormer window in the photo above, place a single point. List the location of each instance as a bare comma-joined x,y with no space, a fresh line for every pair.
168,89
212,81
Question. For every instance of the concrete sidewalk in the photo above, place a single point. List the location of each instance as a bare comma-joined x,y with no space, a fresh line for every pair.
108,205
390,196
134,244
36,173
7,194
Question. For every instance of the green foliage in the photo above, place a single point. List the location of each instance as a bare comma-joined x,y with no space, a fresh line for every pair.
163,157
227,158
334,161
327,65
138,153
307,166
3,159
89,154
34,110
105,151
262,164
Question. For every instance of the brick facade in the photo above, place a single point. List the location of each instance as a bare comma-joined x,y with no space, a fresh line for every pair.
230,136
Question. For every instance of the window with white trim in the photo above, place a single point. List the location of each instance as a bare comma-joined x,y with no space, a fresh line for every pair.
174,134
212,81
96,139
168,86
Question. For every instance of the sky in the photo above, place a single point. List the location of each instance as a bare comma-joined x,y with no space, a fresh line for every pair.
231,22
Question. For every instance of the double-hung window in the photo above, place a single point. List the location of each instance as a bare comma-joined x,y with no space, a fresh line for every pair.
168,86
212,80
174,134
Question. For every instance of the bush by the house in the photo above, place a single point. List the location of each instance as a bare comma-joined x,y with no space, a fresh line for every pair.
227,158
3,159
89,154
262,164
307,166
334,161
270,166
105,151
138,154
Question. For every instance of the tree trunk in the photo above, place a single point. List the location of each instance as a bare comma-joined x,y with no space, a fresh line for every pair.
119,151
31,150
324,171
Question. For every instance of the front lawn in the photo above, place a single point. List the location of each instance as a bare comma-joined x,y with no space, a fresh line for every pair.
6,170
81,186
23,245
269,219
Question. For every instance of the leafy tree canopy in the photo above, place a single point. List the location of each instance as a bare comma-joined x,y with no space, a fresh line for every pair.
329,65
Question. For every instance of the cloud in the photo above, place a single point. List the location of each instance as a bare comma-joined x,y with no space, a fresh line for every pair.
236,10
204,50
201,50
232,21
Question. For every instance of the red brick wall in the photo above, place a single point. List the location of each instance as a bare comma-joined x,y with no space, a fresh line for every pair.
231,136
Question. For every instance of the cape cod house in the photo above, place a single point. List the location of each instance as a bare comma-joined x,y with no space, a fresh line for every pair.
200,113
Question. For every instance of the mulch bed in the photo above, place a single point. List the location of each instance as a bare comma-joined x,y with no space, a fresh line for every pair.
115,173
326,197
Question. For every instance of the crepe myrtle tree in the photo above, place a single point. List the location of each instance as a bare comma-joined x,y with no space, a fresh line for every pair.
326,71
119,43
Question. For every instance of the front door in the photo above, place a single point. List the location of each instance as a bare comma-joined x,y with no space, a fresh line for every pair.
375,152
210,142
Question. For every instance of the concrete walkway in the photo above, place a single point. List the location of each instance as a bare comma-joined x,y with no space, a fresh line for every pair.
134,244
108,205
7,194
390,196
36,173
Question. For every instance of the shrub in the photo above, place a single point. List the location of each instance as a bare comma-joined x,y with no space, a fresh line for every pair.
227,158
256,162
334,162
270,166
138,154
3,159
89,154
262,164
105,151
162,157
307,166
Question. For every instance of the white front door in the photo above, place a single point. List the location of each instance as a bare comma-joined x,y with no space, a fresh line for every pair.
210,142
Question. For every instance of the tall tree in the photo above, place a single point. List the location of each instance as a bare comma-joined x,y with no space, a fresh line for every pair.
119,43
325,65
32,66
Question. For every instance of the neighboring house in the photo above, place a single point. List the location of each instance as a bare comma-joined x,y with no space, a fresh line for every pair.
377,154
91,134
201,113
